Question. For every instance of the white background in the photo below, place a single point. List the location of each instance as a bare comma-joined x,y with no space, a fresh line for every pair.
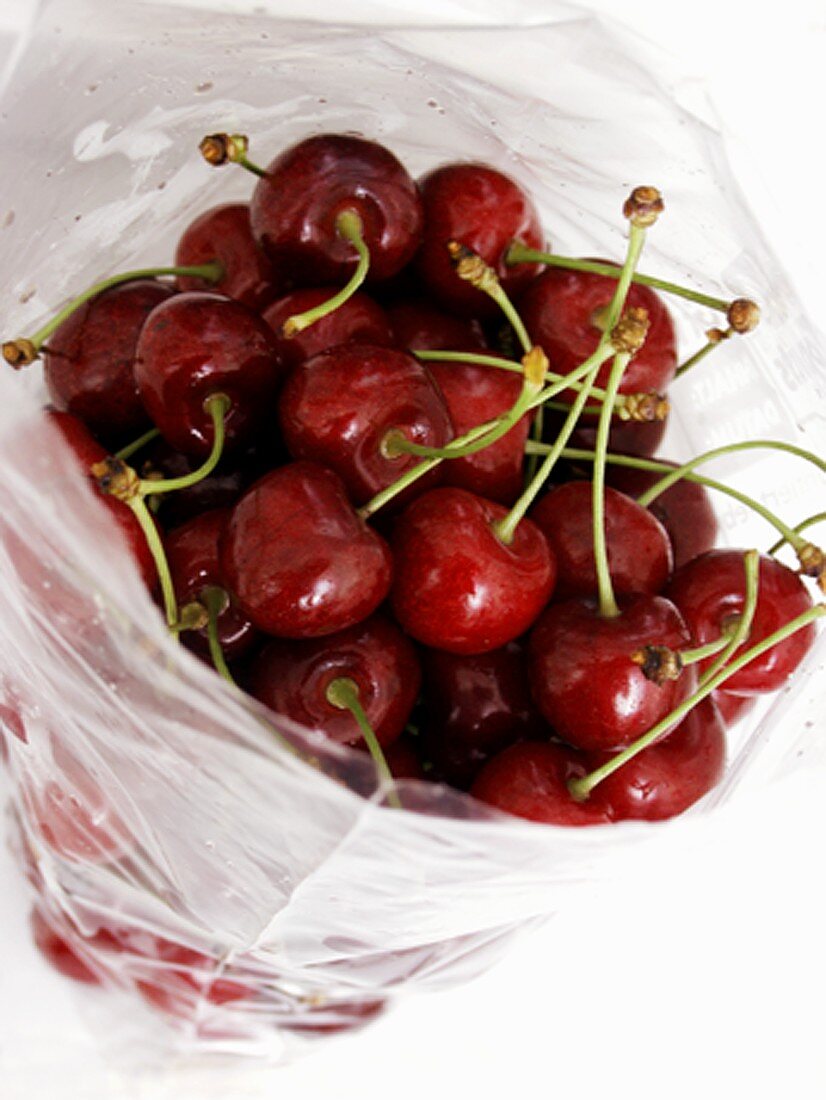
705,979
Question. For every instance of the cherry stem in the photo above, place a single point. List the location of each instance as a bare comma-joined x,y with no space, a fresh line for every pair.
217,405
751,567
582,787
153,541
705,350
192,616
349,226
575,454
608,606
694,656
137,445
216,600
518,253
343,693
819,517
212,272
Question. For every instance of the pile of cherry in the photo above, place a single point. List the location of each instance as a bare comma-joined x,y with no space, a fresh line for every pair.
422,517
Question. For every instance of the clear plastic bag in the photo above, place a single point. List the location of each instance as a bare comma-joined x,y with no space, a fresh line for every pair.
257,889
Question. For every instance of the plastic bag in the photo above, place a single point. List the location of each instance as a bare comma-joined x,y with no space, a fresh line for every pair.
258,890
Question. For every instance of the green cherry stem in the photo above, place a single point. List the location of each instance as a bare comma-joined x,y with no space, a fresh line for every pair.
217,405
751,567
153,541
702,652
519,253
343,693
581,788
349,226
577,455
470,267
137,444
608,606
220,149
215,600
24,350
819,517
716,337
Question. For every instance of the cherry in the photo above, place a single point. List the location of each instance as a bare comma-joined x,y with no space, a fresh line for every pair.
196,345
732,707
639,551
297,204
298,558
403,760
560,309
177,978
630,437
668,777
219,490
458,586
89,452
530,780
684,509
89,358
292,679
474,706
420,326
583,675
482,209
192,554
473,395
343,407
223,233
59,952
710,591
359,320
334,1017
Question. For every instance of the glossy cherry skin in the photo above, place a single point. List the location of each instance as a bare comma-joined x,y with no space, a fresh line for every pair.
474,394
295,206
711,588
89,452
530,780
558,310
732,707
192,554
339,406
223,234
484,210
665,779
88,362
629,437
195,345
639,551
685,510
292,678
297,557
474,706
420,326
584,680
458,586
359,320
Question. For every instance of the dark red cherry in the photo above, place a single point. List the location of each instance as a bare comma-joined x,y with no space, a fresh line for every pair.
629,437
530,780
560,308
685,510
88,361
196,345
671,775
219,490
192,553
358,321
484,210
403,760
223,233
420,326
458,586
475,706
639,551
709,590
341,407
474,394
292,678
298,558
296,204
584,679
89,452
333,1017
176,979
